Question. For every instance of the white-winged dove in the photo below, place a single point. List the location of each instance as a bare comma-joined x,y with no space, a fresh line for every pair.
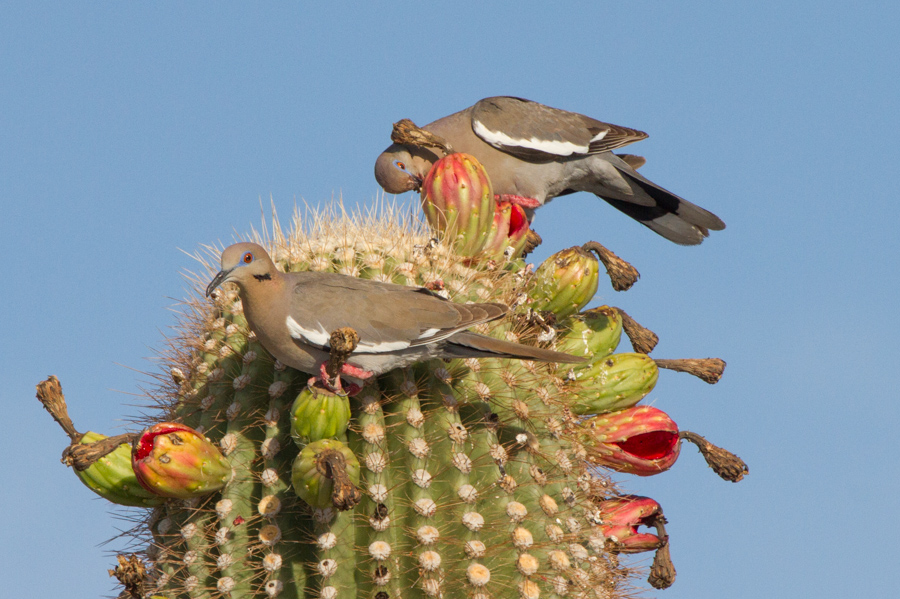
534,153
293,316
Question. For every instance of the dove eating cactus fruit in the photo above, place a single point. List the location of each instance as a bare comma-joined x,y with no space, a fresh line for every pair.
534,153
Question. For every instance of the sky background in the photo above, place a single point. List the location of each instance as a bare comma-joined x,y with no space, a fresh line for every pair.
131,132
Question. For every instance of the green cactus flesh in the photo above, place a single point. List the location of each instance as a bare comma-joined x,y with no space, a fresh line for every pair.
472,475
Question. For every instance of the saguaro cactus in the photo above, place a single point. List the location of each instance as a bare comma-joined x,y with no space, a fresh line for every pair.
469,478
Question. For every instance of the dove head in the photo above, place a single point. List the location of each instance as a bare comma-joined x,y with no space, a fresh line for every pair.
243,263
403,168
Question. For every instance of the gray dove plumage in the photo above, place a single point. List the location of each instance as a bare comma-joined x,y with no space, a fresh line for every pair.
293,315
534,153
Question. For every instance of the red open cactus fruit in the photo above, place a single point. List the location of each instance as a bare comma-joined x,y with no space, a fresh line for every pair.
621,517
509,231
642,440
174,460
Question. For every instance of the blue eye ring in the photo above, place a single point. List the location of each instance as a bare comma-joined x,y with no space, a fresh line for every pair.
247,258
400,165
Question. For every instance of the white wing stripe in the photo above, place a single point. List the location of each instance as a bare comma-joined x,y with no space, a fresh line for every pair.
321,338
499,139
318,338
380,348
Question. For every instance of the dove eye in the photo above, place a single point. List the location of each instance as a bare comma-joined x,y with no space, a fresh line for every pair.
248,258
400,165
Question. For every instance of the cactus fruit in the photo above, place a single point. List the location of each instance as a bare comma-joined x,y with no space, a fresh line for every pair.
593,334
319,414
621,518
174,460
509,231
642,440
458,201
455,479
112,478
616,382
566,282
325,474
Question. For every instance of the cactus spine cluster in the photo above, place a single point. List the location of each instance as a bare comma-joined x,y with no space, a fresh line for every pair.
468,478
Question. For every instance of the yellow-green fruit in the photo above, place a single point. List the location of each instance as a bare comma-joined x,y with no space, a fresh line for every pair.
313,471
112,478
318,414
565,282
614,383
593,334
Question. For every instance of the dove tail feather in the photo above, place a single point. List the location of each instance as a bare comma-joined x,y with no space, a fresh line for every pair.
497,348
660,210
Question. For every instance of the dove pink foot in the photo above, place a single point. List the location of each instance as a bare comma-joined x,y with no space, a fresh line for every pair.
338,386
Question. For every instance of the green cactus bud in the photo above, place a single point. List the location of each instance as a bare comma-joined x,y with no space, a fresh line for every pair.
641,440
112,478
173,460
593,334
318,414
614,383
458,201
565,282
322,471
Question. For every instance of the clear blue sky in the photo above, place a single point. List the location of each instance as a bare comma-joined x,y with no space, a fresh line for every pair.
130,131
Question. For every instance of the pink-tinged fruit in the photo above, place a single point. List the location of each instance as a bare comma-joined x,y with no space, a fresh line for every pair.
174,460
620,520
508,230
458,201
641,440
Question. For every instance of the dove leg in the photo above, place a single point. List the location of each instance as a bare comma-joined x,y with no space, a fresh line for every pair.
335,384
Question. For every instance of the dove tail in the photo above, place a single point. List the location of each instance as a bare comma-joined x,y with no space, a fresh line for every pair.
468,344
671,216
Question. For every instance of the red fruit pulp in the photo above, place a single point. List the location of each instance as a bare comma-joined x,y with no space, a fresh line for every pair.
650,446
145,444
517,221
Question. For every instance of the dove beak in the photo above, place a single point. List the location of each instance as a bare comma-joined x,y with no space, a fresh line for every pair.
220,278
